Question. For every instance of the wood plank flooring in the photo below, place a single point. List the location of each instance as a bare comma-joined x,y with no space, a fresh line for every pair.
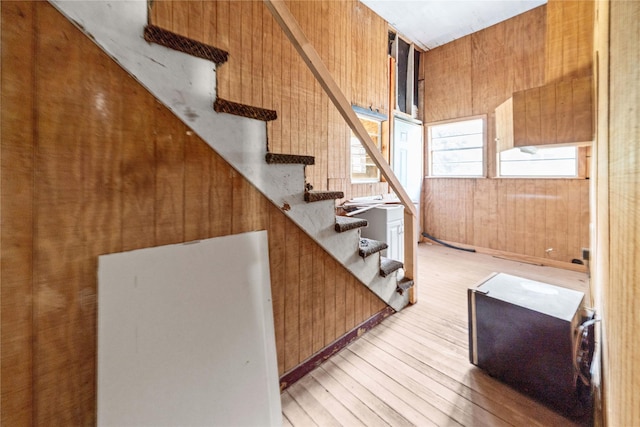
413,369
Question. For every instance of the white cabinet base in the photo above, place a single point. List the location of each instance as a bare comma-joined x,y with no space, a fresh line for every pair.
386,223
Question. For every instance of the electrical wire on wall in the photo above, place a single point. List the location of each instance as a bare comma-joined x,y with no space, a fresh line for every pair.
430,237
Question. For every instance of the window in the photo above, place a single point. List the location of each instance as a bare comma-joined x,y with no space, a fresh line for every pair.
362,167
539,162
457,148
407,63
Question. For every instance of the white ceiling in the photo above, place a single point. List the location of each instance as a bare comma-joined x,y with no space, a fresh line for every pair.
431,23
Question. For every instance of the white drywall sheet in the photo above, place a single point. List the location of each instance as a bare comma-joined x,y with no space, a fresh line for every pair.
186,336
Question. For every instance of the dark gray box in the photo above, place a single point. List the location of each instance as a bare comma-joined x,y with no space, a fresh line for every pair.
523,332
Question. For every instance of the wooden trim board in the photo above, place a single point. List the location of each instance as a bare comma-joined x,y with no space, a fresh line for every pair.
521,258
317,359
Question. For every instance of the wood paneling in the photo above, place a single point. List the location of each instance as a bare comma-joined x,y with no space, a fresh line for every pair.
505,58
16,212
127,175
617,285
489,62
475,74
448,78
556,113
517,216
264,70
600,240
569,40
295,34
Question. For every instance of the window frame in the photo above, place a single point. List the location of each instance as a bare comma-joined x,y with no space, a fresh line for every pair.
576,175
373,116
428,151
407,67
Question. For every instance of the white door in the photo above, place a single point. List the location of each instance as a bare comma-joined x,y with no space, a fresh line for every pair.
407,155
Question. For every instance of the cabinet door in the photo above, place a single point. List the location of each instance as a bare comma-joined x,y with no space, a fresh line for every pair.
395,239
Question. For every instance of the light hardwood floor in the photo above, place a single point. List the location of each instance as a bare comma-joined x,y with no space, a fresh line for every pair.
413,369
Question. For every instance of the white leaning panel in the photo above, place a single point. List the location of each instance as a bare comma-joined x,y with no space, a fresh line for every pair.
186,336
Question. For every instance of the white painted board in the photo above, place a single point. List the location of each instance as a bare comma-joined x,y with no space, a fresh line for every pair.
186,336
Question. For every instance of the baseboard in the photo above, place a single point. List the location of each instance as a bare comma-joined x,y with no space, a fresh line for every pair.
289,378
519,257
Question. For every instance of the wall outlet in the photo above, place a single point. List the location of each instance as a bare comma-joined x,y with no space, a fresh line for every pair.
585,254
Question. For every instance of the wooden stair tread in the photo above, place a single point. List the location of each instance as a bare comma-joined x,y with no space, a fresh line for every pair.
166,38
345,223
404,284
316,196
248,111
388,266
277,158
369,247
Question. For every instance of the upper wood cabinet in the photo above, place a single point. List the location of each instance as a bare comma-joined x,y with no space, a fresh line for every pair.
557,113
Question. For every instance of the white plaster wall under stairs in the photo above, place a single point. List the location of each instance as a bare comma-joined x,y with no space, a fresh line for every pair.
186,85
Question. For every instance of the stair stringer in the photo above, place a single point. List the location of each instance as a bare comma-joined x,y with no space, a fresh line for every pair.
186,85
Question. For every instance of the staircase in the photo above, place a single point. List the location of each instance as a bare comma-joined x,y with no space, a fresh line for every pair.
180,74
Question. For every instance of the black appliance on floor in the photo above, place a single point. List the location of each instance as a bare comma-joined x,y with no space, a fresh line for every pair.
535,337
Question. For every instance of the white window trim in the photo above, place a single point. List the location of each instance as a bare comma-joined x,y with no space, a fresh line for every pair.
575,176
427,160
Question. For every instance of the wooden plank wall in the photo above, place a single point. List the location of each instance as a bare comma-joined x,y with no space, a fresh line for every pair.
264,70
92,164
617,277
473,75
518,216
569,40
600,201
476,73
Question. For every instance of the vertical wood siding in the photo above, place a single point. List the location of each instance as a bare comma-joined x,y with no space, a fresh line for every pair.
92,164
618,200
520,216
17,234
569,39
473,75
265,71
